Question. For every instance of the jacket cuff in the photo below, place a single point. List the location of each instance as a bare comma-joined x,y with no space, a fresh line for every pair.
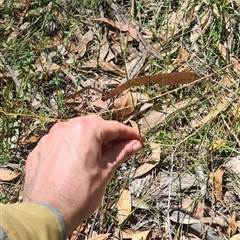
59,217
31,221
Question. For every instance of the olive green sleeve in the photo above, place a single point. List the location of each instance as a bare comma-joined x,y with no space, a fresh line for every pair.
30,221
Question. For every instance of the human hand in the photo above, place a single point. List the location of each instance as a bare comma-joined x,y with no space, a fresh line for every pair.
70,166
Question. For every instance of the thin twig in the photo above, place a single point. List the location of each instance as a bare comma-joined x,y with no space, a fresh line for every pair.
230,130
169,195
93,223
15,79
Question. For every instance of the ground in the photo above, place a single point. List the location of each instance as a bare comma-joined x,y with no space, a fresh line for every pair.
169,69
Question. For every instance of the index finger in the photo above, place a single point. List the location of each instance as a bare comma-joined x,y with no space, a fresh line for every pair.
109,131
115,131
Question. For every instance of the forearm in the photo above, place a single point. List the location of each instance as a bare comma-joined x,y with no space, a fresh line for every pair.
30,221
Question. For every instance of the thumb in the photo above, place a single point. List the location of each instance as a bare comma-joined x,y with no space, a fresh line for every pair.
120,152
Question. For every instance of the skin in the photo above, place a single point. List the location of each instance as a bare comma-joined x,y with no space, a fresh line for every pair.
70,166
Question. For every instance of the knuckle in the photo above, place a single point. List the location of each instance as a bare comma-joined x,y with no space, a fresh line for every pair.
81,125
94,118
90,121
57,127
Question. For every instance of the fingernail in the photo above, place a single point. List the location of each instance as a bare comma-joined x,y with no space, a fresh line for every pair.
137,147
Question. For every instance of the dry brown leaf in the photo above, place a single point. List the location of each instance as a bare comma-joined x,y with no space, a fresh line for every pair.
162,79
83,40
7,74
198,31
124,105
141,235
227,81
110,67
49,67
121,18
120,26
176,21
97,102
134,124
187,204
124,206
145,106
92,63
234,225
233,165
135,65
149,163
80,233
221,221
135,234
184,220
100,237
223,51
30,140
199,210
187,219
103,51
235,237
8,175
182,55
216,179
218,144
171,28
222,104
145,168
128,233
155,154
236,65
236,110
153,118
136,60
110,56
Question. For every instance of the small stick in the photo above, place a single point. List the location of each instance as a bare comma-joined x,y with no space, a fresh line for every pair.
230,130
93,223
15,79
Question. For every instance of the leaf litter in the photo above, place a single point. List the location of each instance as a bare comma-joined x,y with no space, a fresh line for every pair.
129,68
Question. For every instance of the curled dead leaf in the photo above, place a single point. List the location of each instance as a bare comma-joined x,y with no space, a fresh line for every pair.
218,144
223,51
124,105
222,104
97,102
124,206
182,55
236,65
235,237
154,118
236,110
122,27
155,153
227,81
145,168
47,67
8,175
162,79
234,225
216,179
233,165
83,40
110,67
